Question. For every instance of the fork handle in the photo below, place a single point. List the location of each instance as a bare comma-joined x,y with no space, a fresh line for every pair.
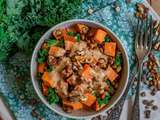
136,108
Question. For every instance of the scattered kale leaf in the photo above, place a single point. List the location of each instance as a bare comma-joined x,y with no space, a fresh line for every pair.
20,21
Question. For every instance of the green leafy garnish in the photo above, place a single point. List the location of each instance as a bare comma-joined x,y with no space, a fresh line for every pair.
118,60
60,43
104,101
110,86
42,53
55,42
78,37
52,42
22,22
70,33
107,39
39,75
49,68
52,96
41,59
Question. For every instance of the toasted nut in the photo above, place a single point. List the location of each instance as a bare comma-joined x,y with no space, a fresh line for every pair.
90,11
118,68
83,98
102,62
44,46
83,37
92,45
82,52
85,30
52,60
101,50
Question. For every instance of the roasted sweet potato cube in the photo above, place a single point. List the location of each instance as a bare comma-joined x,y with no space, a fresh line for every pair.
73,105
111,74
41,67
100,35
110,48
86,72
90,99
56,51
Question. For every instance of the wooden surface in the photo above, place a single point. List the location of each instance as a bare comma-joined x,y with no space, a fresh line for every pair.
156,5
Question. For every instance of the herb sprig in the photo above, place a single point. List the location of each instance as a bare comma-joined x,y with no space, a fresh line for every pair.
52,96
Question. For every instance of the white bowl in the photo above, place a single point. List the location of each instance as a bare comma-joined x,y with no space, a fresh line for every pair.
81,113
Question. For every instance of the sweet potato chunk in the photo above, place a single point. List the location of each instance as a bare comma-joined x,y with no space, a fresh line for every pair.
73,105
47,79
100,35
111,74
69,42
41,67
51,79
86,72
110,49
56,51
90,99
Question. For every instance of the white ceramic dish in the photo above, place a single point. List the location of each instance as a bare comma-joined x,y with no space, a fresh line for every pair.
81,113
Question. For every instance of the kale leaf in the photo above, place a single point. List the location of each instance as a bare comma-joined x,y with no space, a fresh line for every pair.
52,96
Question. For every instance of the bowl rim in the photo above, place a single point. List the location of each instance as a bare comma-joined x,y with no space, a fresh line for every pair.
33,78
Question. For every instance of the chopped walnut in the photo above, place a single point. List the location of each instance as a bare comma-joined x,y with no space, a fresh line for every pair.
82,52
80,58
67,71
85,30
78,65
92,45
44,46
83,37
72,80
111,60
102,63
62,89
52,60
58,34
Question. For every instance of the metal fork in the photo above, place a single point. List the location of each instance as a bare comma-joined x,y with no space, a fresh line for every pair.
116,111
143,44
